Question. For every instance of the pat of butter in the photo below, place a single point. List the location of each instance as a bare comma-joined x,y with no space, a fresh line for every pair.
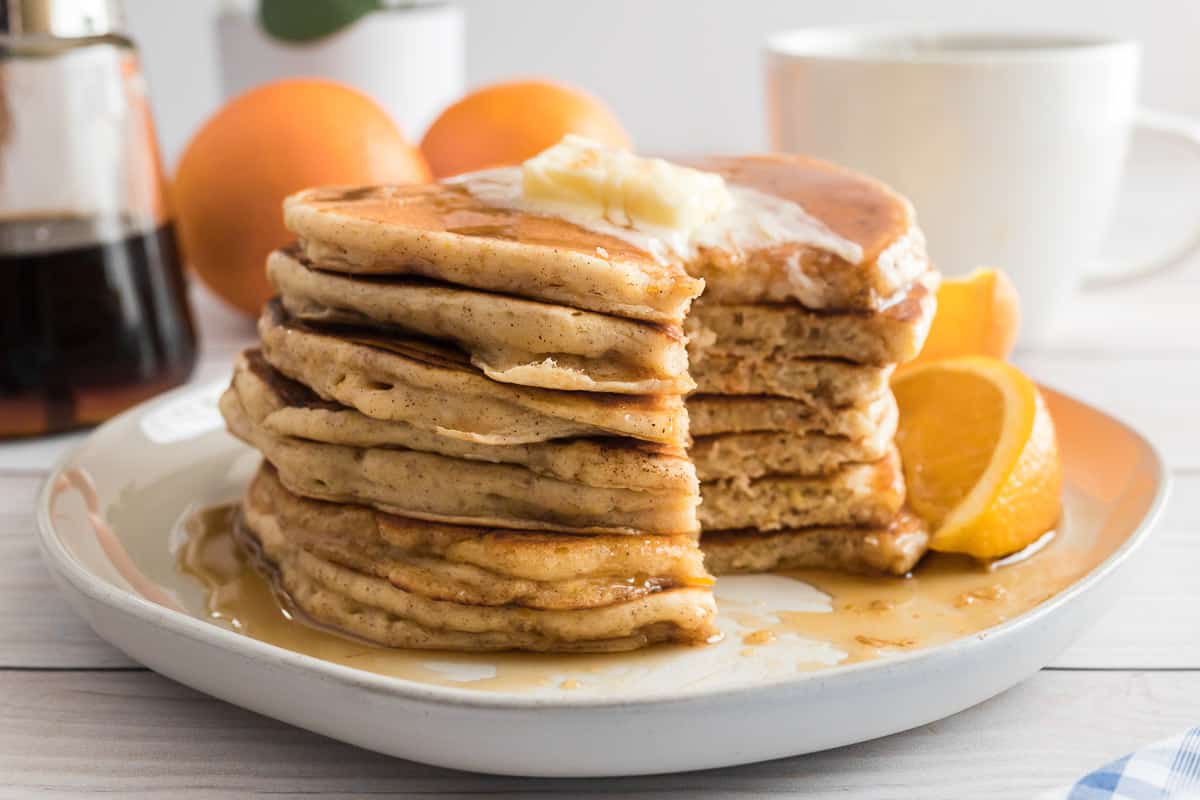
581,178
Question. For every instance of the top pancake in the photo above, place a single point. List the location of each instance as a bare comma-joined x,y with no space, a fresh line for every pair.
853,206
444,232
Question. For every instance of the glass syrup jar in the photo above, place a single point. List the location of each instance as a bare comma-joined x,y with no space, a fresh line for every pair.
94,314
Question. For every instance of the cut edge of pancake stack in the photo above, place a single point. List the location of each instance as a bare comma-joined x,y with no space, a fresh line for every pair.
793,419
472,442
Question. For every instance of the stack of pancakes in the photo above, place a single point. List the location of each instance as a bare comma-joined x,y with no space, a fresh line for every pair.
473,424
792,348
473,428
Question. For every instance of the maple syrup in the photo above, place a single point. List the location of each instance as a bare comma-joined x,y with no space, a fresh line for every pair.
861,618
93,319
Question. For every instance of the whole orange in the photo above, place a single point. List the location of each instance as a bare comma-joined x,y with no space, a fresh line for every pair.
506,123
260,147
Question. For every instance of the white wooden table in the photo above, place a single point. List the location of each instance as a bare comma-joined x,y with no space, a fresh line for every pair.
77,716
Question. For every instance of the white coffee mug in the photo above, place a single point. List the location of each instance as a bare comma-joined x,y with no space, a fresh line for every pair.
1010,146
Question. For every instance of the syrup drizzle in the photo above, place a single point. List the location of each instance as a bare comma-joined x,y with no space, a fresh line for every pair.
839,618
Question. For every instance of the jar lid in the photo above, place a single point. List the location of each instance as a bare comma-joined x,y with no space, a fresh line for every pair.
62,18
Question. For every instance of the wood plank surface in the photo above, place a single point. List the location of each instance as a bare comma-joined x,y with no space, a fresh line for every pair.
37,627
1160,397
137,734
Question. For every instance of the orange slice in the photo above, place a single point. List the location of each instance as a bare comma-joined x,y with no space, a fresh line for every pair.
980,455
977,314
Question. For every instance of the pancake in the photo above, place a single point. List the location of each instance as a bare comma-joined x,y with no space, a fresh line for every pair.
892,549
852,206
376,609
433,487
510,339
712,414
286,408
858,494
819,382
753,455
446,233
435,388
778,332
443,232
479,566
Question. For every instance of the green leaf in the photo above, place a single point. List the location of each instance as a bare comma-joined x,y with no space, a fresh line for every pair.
306,20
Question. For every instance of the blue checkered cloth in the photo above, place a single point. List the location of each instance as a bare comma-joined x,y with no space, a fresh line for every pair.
1166,770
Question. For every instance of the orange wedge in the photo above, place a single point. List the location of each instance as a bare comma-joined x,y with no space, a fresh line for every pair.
980,455
977,314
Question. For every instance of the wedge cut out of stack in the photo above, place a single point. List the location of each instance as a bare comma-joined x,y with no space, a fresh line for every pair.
473,423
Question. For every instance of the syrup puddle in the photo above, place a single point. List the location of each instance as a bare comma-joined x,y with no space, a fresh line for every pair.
774,625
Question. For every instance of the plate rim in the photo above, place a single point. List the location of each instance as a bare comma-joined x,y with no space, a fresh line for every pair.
96,589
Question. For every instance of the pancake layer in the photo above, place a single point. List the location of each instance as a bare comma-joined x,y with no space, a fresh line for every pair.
511,339
777,332
753,455
434,387
285,408
403,583
819,382
428,486
712,414
892,549
857,494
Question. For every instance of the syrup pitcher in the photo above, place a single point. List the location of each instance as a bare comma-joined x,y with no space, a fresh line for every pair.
93,310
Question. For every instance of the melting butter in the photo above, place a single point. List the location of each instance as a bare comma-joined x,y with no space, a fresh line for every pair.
741,219
580,177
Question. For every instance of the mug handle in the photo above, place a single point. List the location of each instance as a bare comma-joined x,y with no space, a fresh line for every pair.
1186,132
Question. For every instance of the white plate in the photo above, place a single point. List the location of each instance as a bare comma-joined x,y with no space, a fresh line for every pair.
662,711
